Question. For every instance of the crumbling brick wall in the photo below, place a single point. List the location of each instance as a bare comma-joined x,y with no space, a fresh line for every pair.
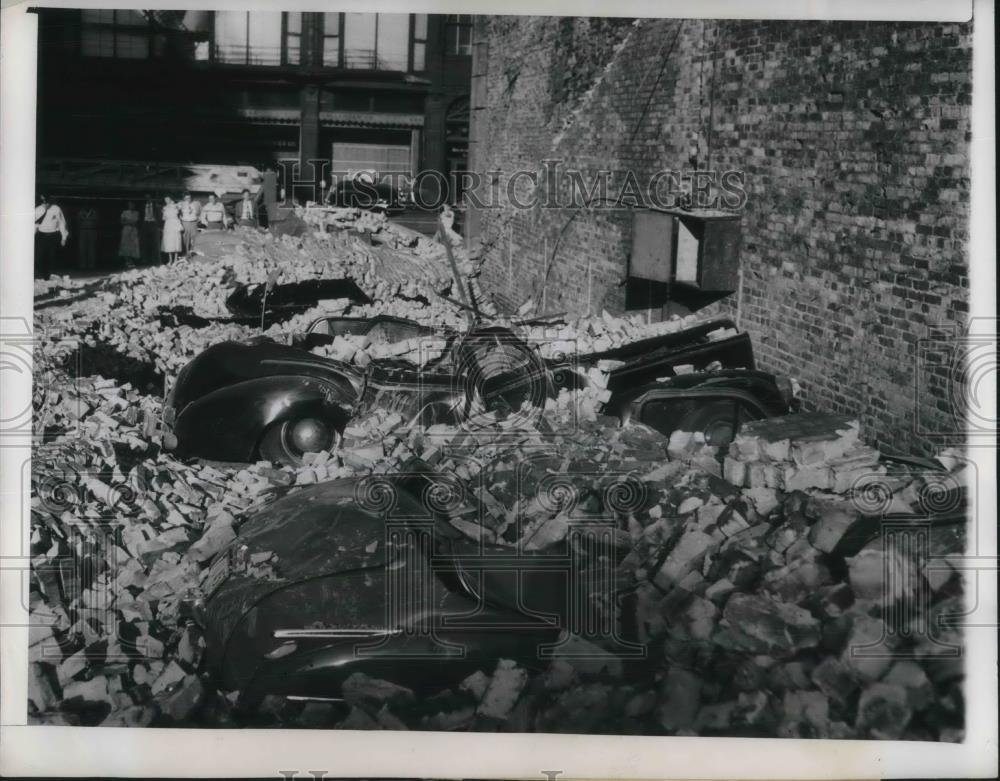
853,140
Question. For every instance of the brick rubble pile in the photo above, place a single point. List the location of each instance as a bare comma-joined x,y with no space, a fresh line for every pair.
747,603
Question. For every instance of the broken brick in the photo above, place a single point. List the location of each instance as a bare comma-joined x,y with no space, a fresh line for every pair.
883,711
762,625
363,691
505,687
680,696
869,650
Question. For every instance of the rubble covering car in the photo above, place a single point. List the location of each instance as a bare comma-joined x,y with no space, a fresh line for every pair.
397,578
298,603
755,577
244,401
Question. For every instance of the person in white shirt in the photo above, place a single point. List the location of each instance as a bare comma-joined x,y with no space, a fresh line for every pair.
213,214
51,233
190,211
173,229
246,211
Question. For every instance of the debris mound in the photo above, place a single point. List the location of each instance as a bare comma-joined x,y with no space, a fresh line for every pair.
756,581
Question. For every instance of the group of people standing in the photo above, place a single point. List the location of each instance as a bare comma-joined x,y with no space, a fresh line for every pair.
170,228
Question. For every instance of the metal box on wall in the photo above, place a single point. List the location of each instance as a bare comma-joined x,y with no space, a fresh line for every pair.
708,250
652,246
699,248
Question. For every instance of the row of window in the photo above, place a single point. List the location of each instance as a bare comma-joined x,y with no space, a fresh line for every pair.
392,42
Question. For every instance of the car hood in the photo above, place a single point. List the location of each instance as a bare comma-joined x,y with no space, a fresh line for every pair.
322,530
328,527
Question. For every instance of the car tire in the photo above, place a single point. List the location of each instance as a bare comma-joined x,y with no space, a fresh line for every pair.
283,441
716,421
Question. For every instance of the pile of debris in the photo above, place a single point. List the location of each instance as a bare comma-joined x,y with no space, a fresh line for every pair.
763,611
800,452
755,575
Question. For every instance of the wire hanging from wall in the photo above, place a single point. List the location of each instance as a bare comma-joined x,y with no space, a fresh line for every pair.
656,83
550,258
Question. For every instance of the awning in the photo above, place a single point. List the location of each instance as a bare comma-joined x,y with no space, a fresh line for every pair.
370,119
278,116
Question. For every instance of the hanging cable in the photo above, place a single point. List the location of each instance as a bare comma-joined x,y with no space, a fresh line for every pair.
656,83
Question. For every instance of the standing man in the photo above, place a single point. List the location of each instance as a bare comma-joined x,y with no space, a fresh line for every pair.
50,234
150,232
190,212
88,219
213,214
246,211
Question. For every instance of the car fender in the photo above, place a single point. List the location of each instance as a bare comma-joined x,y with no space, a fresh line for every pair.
227,424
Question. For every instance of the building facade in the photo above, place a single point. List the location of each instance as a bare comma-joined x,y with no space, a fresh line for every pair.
383,92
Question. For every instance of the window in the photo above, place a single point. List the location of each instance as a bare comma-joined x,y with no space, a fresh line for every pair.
331,40
390,42
377,41
359,41
419,42
458,34
392,49
293,38
248,38
123,33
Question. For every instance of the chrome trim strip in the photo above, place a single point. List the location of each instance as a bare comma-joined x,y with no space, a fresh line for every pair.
307,634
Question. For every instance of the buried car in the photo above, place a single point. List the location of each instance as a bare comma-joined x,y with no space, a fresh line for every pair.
373,575
264,400
368,575
261,399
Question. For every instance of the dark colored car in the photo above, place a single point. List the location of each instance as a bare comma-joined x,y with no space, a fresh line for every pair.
722,390
306,595
368,575
244,401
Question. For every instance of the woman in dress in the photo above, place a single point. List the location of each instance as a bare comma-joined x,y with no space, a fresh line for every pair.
172,228
128,247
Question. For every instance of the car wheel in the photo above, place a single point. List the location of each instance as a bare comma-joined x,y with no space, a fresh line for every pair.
718,421
289,440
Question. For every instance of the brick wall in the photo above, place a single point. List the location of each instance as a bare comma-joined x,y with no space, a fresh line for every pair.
853,138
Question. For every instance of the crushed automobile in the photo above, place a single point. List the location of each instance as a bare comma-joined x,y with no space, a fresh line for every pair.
264,400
